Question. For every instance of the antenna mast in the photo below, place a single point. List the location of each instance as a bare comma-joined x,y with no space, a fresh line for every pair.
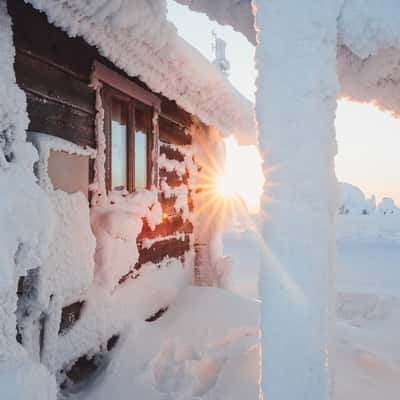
219,52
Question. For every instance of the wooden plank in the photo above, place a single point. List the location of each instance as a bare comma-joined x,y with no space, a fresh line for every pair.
167,204
125,85
172,133
170,110
173,248
171,225
59,120
172,154
52,83
172,178
33,33
69,316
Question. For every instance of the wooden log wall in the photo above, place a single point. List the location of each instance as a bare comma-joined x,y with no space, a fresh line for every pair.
54,71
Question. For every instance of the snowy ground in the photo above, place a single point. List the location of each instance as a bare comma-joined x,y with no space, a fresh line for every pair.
205,341
368,303
206,345
368,310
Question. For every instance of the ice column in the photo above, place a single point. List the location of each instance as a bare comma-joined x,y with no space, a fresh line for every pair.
296,104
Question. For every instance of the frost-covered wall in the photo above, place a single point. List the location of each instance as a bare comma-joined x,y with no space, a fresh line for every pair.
107,266
88,269
26,228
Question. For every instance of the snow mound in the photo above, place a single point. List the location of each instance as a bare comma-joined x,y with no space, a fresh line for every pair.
353,201
205,346
388,207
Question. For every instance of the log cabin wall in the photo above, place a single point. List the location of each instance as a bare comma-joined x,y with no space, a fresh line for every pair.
54,71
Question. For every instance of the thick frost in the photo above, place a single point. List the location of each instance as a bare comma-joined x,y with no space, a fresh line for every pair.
369,52
366,26
26,222
296,103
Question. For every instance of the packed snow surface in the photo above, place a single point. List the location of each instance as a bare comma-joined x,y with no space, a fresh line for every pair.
368,301
204,347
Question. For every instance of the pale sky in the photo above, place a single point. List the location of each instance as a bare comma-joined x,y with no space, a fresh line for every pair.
368,139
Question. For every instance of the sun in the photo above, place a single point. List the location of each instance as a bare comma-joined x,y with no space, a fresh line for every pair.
226,186
242,175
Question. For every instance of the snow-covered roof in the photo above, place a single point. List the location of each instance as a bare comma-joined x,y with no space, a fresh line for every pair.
136,36
369,52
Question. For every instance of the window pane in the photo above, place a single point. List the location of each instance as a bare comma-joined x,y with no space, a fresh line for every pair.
140,160
119,121
141,149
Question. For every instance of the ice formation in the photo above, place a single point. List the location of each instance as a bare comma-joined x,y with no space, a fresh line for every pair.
369,52
296,120
26,220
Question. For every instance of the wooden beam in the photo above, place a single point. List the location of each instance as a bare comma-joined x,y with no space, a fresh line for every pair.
124,85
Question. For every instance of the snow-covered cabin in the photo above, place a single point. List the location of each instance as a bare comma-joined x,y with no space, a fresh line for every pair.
127,120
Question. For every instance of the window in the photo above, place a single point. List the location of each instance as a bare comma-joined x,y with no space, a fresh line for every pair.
128,127
128,116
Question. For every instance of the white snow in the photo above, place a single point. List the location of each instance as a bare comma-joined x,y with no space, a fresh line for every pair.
296,103
366,26
388,207
368,301
206,341
116,225
353,201
368,308
369,52
26,220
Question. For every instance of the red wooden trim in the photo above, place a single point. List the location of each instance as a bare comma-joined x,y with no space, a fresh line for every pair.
124,85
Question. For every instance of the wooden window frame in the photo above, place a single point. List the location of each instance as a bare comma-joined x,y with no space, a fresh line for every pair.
109,94
116,86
